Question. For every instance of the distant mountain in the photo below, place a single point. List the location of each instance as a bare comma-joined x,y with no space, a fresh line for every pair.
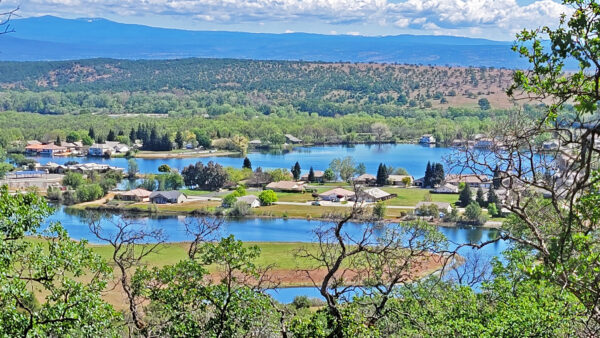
52,38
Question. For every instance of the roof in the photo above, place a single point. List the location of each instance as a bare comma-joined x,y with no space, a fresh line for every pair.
248,199
285,185
100,146
318,173
467,178
292,138
447,188
139,192
440,205
337,192
255,142
365,177
170,195
375,192
33,142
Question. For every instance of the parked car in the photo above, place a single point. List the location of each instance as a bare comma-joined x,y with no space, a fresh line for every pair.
317,203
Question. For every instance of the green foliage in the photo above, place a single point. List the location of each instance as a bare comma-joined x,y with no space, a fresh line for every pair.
382,175
132,168
229,200
247,164
343,167
279,175
210,177
164,168
240,209
465,196
5,168
296,170
474,215
379,210
54,265
73,180
484,104
480,198
328,175
267,197
89,192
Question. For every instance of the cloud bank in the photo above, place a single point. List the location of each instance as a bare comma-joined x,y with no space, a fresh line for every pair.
430,16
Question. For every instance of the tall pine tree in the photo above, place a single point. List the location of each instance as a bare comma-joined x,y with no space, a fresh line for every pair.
465,196
247,164
296,171
311,175
428,174
382,175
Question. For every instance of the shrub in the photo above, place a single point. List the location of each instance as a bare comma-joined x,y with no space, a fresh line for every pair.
73,180
240,209
267,197
89,192
379,210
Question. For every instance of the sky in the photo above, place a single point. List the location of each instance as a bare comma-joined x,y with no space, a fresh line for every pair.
491,19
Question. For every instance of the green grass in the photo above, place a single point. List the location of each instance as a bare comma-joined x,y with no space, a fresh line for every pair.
190,192
410,197
312,211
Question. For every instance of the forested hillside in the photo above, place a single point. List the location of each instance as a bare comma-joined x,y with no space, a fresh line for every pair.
214,86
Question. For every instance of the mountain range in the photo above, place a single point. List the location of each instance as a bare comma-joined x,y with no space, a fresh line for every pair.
52,38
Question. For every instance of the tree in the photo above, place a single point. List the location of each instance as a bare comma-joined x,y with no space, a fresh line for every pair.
296,170
361,169
92,133
401,171
267,197
328,175
132,135
428,174
438,176
73,180
379,210
492,210
279,175
132,168
210,177
5,168
247,164
382,175
484,104
203,140
480,198
344,167
89,192
229,200
164,168
407,181
72,136
465,197
58,142
311,175
51,268
474,215
87,140
111,136
179,141
381,131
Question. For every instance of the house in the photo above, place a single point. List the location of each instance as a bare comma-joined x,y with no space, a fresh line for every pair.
419,182
33,149
291,186
33,142
292,139
399,180
99,150
374,195
109,147
165,197
366,179
442,206
446,189
138,195
427,139
319,174
251,200
473,180
52,149
337,195
255,143
484,143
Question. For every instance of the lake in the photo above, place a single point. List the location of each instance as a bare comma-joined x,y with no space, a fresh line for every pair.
412,157
268,230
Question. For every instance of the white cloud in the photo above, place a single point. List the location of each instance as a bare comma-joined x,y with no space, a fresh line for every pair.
426,15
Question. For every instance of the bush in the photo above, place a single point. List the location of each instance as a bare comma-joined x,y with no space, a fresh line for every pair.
89,192
474,215
267,197
379,210
73,180
229,200
301,302
240,209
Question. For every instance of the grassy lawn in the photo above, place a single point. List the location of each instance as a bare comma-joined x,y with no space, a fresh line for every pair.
182,207
190,192
312,211
410,197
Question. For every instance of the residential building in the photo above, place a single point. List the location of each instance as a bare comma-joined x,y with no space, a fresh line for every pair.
366,179
45,149
318,176
373,195
138,195
251,200
419,182
550,145
446,189
473,180
399,180
99,150
484,143
290,186
337,195
292,139
427,139
167,197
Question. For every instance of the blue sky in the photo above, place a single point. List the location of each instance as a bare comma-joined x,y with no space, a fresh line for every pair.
493,19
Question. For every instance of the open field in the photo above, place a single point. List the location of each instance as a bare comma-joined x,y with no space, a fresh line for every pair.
180,153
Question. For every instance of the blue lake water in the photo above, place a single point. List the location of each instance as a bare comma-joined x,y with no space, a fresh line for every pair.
412,157
268,230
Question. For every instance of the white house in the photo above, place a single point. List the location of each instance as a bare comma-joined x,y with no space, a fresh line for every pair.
427,139
251,200
336,195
